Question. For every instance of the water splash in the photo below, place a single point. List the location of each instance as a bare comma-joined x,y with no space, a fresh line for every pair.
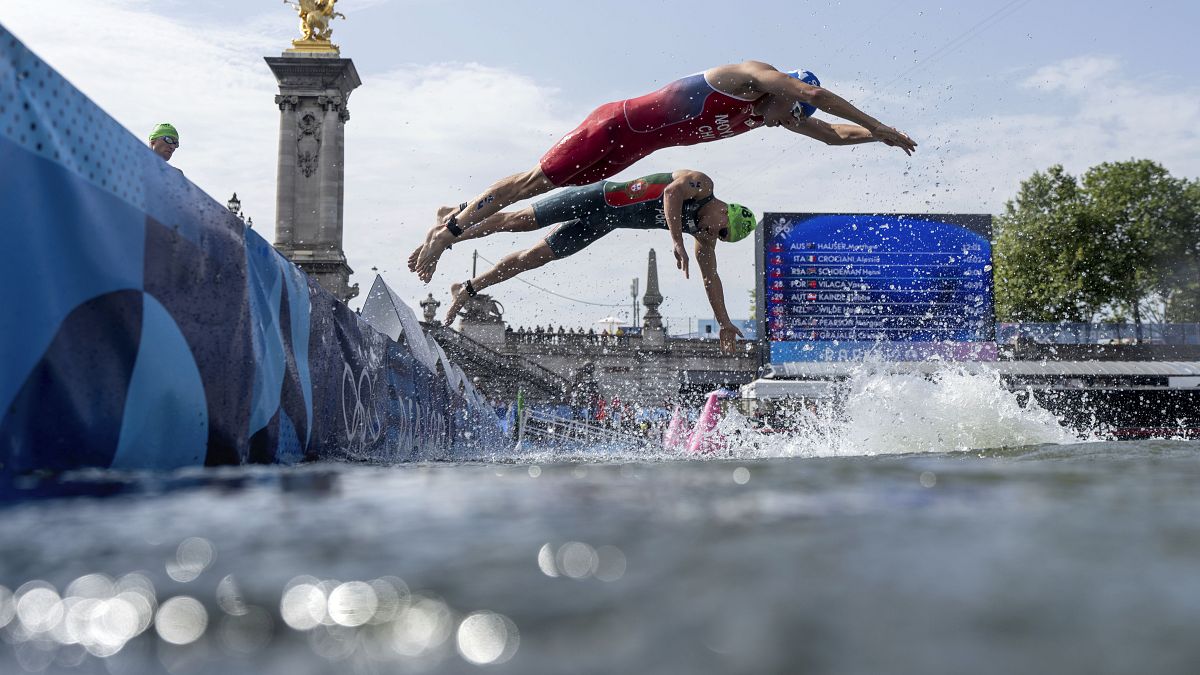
872,412
880,413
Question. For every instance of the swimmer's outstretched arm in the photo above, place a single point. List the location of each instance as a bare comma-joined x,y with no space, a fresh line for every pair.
687,184
706,260
768,80
831,134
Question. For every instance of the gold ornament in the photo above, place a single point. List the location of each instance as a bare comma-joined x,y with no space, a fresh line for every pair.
315,16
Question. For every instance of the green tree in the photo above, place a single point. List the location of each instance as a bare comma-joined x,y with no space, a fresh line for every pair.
1144,217
1040,270
1183,273
1121,242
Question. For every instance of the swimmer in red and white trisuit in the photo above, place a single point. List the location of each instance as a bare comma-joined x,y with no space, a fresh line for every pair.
718,103
680,202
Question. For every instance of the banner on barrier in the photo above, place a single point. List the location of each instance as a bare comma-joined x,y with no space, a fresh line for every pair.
145,327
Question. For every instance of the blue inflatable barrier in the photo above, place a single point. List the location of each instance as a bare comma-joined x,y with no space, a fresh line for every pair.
144,326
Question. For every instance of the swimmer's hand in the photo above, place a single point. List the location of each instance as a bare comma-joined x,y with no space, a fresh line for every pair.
729,336
681,259
895,138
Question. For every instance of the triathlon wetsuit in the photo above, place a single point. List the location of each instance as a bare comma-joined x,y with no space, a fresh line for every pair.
584,214
617,134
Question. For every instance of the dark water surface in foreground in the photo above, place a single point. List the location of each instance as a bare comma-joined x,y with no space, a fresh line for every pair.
1081,558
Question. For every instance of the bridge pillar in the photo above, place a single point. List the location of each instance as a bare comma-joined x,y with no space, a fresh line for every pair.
310,180
653,333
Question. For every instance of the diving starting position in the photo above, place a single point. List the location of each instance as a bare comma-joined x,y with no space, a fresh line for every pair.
719,103
680,202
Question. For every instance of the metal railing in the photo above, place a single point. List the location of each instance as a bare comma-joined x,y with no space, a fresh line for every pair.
464,350
1099,333
543,427
573,339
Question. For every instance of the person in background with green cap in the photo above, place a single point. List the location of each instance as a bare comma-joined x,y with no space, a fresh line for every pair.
164,140
681,202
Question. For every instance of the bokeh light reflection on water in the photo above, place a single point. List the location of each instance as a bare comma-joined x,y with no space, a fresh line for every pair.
827,565
229,597
379,620
8,608
577,560
545,560
303,605
352,604
392,597
485,638
39,607
423,626
181,620
192,557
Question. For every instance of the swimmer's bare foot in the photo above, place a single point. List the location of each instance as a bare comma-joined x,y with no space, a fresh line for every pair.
412,259
424,260
433,250
458,297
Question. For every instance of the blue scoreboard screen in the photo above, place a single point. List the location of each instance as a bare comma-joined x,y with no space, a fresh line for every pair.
843,286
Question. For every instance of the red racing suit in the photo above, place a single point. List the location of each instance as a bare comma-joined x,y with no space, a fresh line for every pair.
617,134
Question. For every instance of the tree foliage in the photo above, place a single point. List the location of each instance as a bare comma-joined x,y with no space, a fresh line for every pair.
1122,241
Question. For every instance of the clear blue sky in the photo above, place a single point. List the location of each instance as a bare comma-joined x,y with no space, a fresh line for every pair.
459,93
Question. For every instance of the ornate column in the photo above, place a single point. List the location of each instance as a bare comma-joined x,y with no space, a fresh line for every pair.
314,85
284,190
652,327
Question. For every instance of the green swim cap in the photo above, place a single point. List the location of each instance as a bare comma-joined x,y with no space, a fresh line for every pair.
164,129
741,222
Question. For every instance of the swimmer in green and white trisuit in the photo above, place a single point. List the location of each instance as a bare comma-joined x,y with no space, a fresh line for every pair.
679,202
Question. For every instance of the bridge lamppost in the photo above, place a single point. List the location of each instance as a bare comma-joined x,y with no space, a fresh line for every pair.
430,307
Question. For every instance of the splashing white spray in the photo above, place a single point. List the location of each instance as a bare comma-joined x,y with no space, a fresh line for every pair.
950,410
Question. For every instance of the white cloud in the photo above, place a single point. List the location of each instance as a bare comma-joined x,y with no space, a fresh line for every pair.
1075,75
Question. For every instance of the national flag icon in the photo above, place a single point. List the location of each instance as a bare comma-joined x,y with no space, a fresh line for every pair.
810,258
776,273
810,245
810,296
812,284
813,336
810,270
777,285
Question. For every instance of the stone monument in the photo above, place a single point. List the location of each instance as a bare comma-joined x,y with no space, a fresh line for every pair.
483,320
429,308
314,85
653,333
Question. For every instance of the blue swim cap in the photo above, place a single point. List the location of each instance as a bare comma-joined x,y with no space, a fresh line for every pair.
803,110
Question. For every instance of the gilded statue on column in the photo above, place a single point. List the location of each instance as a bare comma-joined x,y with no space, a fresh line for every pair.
315,16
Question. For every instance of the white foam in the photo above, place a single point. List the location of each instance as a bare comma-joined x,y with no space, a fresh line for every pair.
880,413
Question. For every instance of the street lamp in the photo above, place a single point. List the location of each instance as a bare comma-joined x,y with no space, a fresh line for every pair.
234,205
430,306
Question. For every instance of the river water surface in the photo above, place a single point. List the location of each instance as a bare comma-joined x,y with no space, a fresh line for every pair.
884,546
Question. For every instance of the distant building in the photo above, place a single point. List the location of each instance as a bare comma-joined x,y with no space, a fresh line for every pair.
637,364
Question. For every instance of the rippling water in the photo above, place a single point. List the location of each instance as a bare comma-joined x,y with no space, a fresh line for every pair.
866,544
